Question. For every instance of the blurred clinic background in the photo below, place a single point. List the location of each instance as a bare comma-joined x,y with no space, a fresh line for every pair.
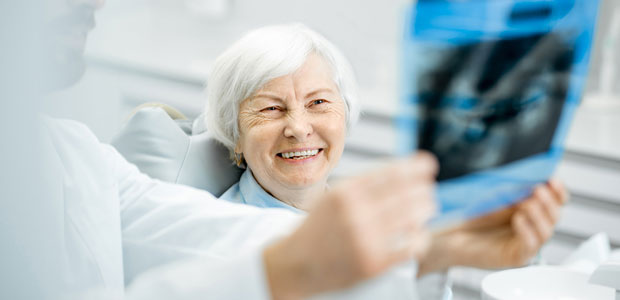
161,51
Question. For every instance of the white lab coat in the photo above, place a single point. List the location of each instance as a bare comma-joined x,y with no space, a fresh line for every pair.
119,234
118,223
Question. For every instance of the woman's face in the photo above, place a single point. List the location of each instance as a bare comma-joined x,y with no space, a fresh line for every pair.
292,130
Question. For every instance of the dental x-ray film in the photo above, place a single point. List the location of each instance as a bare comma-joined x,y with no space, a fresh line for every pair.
490,88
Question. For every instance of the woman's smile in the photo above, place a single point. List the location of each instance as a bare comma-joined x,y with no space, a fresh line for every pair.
300,155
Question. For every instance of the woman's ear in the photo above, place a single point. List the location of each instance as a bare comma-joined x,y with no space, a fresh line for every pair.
238,156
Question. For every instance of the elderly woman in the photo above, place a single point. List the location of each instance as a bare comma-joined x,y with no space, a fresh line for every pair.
281,100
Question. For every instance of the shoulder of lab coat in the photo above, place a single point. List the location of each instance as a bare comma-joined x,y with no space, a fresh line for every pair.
162,224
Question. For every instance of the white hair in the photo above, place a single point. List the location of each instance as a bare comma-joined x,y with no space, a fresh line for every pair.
262,55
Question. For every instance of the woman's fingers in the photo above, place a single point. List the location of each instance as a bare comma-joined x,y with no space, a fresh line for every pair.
538,219
535,218
543,209
559,190
526,234
549,201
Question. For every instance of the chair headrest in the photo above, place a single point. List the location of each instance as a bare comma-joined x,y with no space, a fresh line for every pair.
166,149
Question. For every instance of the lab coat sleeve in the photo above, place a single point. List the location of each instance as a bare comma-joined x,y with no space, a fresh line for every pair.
240,278
220,242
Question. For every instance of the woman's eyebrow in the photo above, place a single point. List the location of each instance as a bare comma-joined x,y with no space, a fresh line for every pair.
317,91
267,95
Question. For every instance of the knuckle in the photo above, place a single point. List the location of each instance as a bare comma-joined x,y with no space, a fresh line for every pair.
546,198
364,264
428,160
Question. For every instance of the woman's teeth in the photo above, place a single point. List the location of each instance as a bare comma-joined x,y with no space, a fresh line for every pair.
300,154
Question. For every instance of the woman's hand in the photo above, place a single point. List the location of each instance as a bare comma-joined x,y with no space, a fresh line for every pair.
357,231
507,238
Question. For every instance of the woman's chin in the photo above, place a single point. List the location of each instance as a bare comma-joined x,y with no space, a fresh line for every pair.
303,182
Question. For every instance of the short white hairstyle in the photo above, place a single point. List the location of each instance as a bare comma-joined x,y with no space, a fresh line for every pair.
260,56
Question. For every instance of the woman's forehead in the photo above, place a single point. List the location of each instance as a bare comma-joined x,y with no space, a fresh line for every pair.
315,66
314,76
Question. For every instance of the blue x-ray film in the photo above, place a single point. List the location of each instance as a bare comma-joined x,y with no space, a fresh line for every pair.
490,88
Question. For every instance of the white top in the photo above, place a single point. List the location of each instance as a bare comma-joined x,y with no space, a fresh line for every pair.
118,223
248,191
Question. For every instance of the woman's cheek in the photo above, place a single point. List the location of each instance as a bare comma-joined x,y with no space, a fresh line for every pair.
336,119
249,120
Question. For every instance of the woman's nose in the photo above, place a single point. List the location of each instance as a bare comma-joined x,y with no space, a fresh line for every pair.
299,126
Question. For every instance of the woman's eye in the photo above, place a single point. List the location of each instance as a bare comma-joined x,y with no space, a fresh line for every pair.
318,101
271,108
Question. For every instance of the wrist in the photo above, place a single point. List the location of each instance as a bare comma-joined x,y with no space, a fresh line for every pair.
441,255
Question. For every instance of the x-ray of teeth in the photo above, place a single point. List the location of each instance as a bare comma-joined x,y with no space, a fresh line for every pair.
490,88
491,103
